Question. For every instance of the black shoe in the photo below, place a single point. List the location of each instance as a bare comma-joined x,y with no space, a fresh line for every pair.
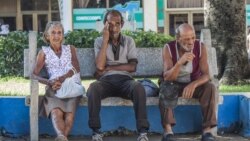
207,137
168,137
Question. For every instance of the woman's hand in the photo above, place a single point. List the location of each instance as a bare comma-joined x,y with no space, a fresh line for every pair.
57,85
62,78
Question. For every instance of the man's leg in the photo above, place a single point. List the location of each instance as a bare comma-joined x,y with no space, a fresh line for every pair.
135,91
96,92
167,113
139,101
167,118
206,95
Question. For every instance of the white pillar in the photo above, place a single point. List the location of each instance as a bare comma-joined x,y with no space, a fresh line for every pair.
150,15
34,129
65,7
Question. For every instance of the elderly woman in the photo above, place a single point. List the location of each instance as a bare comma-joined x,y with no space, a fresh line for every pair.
60,62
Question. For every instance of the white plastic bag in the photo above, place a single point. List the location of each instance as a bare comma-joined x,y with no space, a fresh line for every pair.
70,89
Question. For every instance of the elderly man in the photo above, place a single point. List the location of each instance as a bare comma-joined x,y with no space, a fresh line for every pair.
115,60
186,74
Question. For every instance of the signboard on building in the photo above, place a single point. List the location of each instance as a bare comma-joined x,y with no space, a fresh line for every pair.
248,15
86,18
89,18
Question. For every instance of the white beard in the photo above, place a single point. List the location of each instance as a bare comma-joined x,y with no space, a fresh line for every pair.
187,49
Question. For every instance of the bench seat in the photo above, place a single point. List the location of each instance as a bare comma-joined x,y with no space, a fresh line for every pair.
117,101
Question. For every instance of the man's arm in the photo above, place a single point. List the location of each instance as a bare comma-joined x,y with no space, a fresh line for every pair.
171,71
129,67
190,88
203,67
101,55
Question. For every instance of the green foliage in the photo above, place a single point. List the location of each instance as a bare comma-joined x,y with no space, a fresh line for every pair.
86,38
149,39
82,38
40,41
11,53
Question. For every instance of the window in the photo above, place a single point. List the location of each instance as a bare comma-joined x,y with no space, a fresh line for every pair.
185,3
175,20
54,5
198,23
100,3
42,21
10,21
248,1
29,5
88,4
55,16
27,22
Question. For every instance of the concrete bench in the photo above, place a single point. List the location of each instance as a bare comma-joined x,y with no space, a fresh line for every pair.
150,65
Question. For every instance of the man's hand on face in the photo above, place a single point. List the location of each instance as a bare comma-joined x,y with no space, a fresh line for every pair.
186,57
189,90
106,32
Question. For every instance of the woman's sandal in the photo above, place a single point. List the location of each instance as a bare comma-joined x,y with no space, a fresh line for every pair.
61,138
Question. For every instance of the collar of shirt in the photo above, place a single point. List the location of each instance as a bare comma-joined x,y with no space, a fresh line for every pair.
120,41
116,48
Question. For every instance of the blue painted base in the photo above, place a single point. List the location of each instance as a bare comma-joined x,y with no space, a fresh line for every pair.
228,115
245,116
113,118
15,118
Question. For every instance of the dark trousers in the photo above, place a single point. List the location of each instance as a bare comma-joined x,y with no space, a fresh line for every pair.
117,86
206,96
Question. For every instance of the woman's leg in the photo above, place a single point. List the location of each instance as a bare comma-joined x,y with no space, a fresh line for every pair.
69,119
58,121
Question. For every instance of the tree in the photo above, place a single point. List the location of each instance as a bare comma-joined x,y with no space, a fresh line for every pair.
226,19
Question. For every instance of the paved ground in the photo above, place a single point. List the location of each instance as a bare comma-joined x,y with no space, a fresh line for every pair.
154,137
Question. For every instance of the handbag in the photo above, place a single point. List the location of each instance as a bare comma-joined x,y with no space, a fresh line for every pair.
70,88
151,89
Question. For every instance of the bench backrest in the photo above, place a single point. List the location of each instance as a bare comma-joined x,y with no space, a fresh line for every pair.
149,60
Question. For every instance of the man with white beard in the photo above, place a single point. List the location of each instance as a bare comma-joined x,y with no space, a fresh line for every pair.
186,74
